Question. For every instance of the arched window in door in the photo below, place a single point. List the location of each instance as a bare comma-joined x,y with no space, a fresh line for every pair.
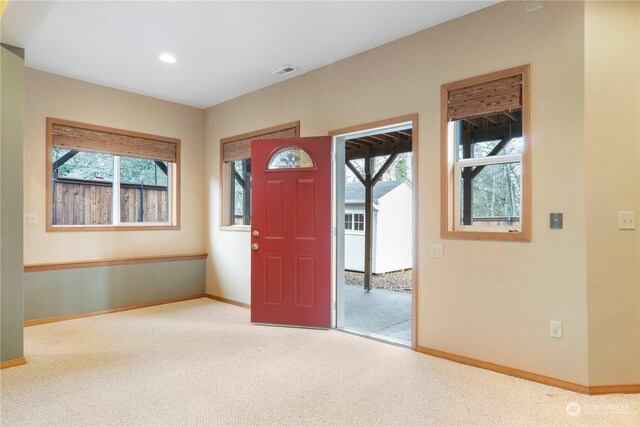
290,158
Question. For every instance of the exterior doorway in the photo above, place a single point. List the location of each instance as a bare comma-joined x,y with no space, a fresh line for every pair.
375,222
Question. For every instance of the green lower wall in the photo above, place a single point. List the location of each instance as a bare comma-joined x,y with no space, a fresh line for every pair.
64,292
11,197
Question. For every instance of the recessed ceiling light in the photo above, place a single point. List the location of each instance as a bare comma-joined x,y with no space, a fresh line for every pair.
167,58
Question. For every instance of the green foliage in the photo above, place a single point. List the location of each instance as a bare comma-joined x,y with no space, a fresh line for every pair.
141,171
99,167
496,190
88,166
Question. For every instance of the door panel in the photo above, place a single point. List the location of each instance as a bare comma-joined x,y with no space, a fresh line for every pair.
274,211
273,280
291,215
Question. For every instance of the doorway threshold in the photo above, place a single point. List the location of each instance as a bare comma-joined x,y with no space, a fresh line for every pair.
376,337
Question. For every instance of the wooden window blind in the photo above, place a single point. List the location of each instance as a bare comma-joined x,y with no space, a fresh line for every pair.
241,148
485,98
105,140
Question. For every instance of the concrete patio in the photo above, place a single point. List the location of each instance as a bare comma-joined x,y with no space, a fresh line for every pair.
379,313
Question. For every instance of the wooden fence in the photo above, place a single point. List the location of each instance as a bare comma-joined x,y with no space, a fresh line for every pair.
80,202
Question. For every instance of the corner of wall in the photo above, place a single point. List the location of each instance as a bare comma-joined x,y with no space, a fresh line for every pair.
612,141
11,205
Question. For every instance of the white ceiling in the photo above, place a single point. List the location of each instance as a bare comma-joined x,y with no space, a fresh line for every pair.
223,49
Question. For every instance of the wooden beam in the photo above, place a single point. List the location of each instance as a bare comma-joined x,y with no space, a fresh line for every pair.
496,132
383,169
64,159
381,150
498,148
356,172
511,116
162,167
239,178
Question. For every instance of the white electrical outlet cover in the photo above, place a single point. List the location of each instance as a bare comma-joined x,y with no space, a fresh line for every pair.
626,220
555,328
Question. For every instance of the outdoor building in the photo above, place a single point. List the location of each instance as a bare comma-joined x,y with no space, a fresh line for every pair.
391,227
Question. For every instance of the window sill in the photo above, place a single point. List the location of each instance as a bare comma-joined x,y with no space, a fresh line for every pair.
245,228
66,228
519,236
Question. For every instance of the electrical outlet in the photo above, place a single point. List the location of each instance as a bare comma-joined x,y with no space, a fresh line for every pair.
435,250
555,328
30,218
626,220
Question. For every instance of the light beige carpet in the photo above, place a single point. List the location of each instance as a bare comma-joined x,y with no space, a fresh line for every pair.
201,362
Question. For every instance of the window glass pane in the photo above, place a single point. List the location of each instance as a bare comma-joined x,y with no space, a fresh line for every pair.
143,171
82,188
490,195
83,165
144,195
487,148
348,222
358,222
495,135
290,158
241,192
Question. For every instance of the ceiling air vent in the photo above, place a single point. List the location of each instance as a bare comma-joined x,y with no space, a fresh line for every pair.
284,71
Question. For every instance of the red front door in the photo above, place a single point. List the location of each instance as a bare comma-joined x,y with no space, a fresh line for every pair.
291,231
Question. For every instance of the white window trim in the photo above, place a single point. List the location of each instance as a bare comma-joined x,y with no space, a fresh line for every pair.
457,191
352,230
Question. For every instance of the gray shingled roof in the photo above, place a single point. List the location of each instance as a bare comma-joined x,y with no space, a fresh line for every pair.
355,191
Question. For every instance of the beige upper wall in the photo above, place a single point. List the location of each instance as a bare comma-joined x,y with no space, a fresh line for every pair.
612,95
486,300
50,95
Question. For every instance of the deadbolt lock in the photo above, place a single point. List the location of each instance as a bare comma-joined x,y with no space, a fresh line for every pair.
255,233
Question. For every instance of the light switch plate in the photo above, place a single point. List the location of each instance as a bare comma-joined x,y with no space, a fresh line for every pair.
555,221
626,220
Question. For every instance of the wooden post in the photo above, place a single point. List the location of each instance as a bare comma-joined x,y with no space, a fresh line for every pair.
368,219
141,212
54,192
232,194
464,138
368,181
246,192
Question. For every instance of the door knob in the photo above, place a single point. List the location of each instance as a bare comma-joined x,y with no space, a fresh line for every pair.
255,233
255,246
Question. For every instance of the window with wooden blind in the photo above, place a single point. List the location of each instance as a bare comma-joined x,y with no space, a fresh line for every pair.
101,178
486,157
235,172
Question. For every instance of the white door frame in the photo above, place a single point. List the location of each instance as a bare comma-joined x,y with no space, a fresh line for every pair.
338,177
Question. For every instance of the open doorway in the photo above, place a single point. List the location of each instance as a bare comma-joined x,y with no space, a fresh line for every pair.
375,230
